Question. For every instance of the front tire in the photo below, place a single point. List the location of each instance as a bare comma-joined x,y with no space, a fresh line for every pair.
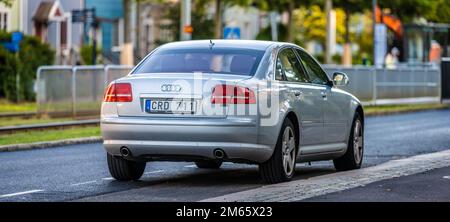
208,164
125,170
353,157
281,166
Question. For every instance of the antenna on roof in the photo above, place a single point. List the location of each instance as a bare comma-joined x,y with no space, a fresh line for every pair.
211,44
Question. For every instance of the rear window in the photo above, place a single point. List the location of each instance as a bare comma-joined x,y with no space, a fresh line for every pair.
216,60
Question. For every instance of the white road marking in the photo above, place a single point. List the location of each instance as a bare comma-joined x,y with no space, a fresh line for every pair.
190,166
303,189
20,193
446,177
152,172
83,183
108,178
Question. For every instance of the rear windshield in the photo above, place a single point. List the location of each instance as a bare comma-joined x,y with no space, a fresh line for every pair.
224,61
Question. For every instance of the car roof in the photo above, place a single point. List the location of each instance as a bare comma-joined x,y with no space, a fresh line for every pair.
221,43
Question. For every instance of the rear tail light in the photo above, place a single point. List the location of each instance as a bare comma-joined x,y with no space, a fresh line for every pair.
118,92
228,94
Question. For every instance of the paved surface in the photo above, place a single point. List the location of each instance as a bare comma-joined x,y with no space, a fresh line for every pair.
80,171
303,189
430,186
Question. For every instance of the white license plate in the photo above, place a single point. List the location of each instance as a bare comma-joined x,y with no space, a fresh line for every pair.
169,106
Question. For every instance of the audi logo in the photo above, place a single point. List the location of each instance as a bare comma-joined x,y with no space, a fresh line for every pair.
171,88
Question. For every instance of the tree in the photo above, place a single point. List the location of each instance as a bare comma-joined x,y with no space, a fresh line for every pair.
310,25
408,10
8,3
440,12
350,7
287,6
218,6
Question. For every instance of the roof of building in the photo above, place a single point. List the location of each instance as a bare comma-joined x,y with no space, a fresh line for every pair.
44,11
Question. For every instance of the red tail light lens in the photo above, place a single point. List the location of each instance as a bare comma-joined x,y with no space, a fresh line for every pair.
118,92
228,94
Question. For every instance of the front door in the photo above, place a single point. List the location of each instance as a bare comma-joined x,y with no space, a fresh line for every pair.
333,103
304,98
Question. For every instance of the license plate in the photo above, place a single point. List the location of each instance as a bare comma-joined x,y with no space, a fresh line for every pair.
168,106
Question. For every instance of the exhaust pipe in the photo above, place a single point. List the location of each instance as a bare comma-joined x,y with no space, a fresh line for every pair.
125,152
219,154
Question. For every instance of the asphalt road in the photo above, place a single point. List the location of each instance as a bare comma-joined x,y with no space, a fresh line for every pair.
80,171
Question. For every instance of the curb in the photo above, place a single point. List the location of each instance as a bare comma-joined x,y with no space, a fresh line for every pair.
376,114
49,144
302,189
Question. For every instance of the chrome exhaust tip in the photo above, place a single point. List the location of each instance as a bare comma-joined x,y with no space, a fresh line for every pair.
219,154
125,152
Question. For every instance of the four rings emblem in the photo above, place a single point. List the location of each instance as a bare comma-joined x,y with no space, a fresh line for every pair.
171,88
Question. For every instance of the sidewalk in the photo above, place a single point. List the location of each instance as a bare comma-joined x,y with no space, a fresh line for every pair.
432,186
317,186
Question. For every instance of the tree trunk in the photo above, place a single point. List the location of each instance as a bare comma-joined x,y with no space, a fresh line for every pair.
126,21
218,20
347,57
138,30
290,37
347,25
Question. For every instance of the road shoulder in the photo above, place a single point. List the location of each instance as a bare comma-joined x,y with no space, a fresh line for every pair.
49,144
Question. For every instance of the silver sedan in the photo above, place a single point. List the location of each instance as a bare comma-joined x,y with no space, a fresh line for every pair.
256,102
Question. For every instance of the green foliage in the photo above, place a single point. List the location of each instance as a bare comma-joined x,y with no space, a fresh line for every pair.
203,26
8,72
440,12
86,54
410,9
33,53
8,3
266,34
18,71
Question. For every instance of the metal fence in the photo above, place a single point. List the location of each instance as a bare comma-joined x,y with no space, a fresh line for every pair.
392,86
74,91
77,91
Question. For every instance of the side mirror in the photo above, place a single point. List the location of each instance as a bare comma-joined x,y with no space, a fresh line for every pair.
340,79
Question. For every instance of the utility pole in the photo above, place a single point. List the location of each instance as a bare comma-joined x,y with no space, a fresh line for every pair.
331,31
374,17
274,25
186,26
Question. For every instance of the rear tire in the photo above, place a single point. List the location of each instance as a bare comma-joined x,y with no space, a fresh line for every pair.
281,166
208,164
353,157
125,170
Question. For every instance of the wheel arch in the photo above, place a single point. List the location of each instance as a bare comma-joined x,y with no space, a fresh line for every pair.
360,111
292,116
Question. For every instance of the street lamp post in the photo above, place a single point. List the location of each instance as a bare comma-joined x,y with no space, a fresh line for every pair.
374,17
328,8
186,27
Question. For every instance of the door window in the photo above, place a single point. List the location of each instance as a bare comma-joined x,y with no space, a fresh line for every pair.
289,68
315,72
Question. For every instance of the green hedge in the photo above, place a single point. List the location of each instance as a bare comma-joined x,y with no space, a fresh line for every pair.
18,71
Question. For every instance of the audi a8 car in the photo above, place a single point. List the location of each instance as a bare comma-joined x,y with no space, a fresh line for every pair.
215,101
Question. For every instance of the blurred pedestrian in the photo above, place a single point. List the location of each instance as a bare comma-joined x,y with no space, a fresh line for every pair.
391,60
435,52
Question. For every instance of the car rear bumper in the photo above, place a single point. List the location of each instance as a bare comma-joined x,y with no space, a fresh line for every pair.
185,137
